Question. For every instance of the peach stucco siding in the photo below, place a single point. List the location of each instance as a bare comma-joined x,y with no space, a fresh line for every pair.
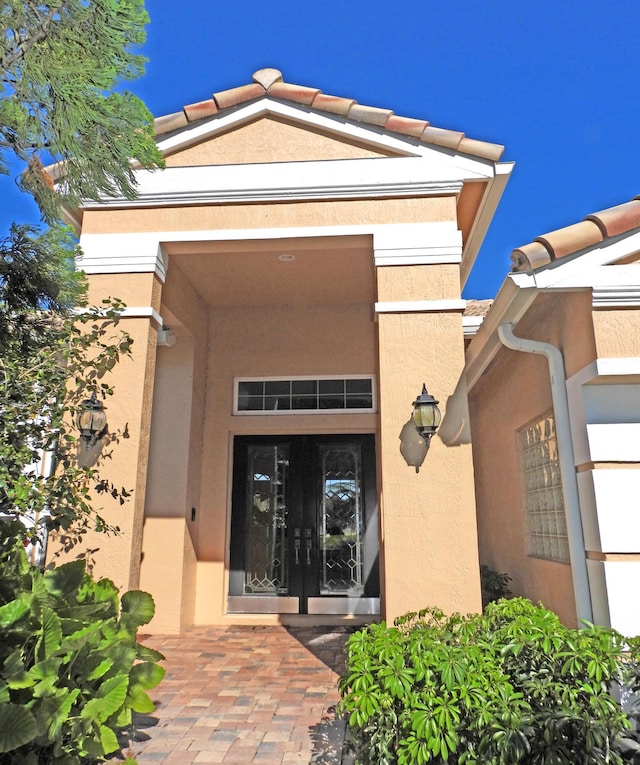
513,393
273,215
118,556
268,140
429,543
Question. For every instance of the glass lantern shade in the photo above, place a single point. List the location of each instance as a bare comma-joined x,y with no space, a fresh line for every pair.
91,419
426,415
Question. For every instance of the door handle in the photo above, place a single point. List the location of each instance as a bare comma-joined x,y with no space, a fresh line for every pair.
308,546
296,546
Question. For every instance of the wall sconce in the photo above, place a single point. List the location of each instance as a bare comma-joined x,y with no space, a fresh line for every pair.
417,432
91,421
166,337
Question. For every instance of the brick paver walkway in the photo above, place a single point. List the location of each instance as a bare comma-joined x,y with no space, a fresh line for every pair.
244,695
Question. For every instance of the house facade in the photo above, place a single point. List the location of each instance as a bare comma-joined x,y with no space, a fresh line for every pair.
291,278
553,380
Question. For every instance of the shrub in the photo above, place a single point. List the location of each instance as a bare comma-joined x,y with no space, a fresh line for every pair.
71,671
494,585
510,686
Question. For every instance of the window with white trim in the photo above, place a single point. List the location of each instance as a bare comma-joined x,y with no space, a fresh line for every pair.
543,491
297,395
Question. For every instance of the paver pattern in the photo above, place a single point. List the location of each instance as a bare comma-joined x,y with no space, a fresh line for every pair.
241,695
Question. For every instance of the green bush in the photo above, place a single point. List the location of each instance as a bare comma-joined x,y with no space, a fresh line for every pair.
494,585
510,686
71,671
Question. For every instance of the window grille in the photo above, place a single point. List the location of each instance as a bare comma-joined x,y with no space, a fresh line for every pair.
296,395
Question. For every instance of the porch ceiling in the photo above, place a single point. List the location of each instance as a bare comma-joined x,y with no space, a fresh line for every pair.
323,271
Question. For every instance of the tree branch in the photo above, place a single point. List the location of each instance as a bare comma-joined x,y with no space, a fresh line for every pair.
41,31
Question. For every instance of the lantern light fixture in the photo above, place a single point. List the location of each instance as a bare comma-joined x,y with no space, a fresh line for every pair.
417,432
426,415
91,420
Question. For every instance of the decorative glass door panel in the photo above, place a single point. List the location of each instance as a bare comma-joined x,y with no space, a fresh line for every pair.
304,525
266,550
341,521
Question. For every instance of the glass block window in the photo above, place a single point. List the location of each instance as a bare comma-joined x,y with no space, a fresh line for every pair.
543,491
304,394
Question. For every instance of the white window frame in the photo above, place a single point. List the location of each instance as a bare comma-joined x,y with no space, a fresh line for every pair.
542,498
293,412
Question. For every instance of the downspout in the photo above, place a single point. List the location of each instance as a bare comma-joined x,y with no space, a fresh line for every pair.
560,401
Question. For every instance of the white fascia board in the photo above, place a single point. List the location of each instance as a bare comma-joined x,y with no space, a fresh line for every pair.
289,181
488,207
591,267
143,252
607,277
612,286
343,129
510,305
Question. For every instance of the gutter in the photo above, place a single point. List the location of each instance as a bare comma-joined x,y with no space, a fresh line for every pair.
559,398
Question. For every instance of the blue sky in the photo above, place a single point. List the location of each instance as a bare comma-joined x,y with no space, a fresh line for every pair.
556,81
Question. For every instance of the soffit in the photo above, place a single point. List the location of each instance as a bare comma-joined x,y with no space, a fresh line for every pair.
327,272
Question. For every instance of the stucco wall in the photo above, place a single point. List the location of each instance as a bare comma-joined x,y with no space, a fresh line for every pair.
118,556
617,332
512,393
168,568
268,140
277,215
430,554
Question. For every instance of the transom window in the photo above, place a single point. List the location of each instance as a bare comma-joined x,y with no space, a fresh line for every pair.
267,395
543,491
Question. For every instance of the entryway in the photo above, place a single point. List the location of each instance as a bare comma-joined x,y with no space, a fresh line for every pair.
304,526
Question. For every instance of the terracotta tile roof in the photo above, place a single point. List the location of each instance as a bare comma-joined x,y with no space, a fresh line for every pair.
477,307
269,82
571,239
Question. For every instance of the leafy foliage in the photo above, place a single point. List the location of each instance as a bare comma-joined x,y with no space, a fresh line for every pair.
494,585
61,62
71,671
51,361
510,686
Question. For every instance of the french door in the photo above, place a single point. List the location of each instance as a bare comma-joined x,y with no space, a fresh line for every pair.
304,527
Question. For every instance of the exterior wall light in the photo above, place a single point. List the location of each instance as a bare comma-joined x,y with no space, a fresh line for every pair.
415,437
91,421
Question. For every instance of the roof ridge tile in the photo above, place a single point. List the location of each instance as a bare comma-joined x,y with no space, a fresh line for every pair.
225,99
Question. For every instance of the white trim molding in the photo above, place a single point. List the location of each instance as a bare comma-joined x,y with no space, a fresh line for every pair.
622,296
471,325
131,312
420,306
417,244
393,244
122,254
288,182
142,312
